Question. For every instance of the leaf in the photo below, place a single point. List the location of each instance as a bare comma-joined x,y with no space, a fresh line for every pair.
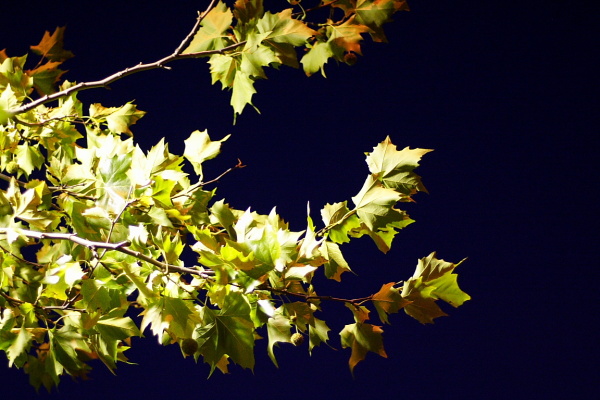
316,58
336,265
113,183
46,76
8,101
340,221
199,148
362,338
375,13
433,279
228,331
395,168
278,329
317,333
51,46
212,34
246,10
117,328
346,37
169,314
282,28
374,205
19,346
388,300
123,117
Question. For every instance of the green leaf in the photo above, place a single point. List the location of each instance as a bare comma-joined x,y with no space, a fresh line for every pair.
117,328
278,329
317,333
316,58
123,117
199,148
375,13
336,265
212,34
362,338
433,279
395,168
282,28
8,101
374,205
339,221
169,315
46,76
18,347
114,184
229,331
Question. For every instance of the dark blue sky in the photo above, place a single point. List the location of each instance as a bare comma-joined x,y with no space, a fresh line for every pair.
504,93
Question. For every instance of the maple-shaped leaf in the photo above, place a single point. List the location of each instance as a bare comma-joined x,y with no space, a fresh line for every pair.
362,338
46,76
383,237
317,333
113,184
282,28
347,6
213,32
395,168
316,58
433,279
375,13
346,37
388,300
199,148
278,329
169,315
339,221
374,205
51,46
228,331
123,117
246,10
8,101
336,265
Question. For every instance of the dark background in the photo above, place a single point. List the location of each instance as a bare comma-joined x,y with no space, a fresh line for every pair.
506,95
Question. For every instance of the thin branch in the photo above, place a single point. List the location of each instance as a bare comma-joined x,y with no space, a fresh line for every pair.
20,258
239,165
315,8
121,247
185,42
307,297
8,178
322,231
176,55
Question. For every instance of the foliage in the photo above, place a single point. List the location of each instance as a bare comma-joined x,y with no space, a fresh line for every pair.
94,230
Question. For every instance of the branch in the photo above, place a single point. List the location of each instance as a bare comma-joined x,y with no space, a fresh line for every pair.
177,55
355,302
121,247
239,165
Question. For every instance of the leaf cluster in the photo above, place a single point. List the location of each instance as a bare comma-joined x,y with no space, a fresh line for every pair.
101,241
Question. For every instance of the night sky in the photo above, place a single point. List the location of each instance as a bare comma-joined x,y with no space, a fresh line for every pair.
505,94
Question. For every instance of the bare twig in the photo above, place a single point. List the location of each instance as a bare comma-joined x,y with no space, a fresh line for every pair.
307,297
239,165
